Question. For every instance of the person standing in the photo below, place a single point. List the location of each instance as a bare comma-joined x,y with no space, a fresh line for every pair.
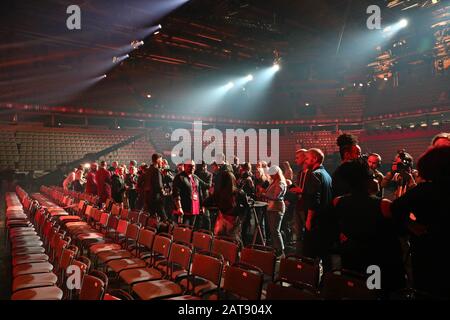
187,194
233,207
118,185
91,183
349,150
68,181
130,185
374,162
78,183
103,178
154,188
317,198
206,177
276,207
287,171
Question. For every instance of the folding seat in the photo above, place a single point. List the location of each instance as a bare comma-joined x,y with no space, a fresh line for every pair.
154,268
205,275
94,286
119,265
41,293
124,234
177,266
260,256
228,248
132,216
242,281
293,291
117,294
299,269
182,233
346,285
124,214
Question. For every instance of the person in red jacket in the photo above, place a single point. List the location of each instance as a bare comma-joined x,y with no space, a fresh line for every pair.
91,182
103,178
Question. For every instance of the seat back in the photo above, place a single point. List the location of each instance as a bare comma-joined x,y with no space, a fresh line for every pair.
143,219
132,234
276,291
261,257
122,226
161,246
133,216
207,266
180,257
182,233
104,219
243,281
146,238
202,240
346,285
228,248
124,214
299,269
115,209
94,286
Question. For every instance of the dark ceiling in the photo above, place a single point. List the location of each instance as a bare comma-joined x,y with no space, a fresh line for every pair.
43,62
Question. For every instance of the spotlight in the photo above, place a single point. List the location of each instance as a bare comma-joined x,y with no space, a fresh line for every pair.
118,127
156,32
361,85
403,23
229,85
423,125
276,67
136,44
306,104
149,95
412,125
104,76
249,78
435,123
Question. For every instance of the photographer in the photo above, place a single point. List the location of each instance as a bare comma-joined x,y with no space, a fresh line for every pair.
403,176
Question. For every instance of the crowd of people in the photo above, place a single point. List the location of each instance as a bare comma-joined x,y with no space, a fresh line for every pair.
343,218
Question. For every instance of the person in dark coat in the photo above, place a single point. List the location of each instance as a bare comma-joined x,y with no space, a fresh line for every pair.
117,185
154,188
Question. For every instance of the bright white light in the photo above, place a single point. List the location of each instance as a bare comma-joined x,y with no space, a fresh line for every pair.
423,124
276,67
103,76
403,23
387,29
385,79
361,85
229,85
149,96
249,77
156,32
307,104
159,26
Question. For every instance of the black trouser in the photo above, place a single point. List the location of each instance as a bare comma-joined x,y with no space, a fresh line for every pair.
132,197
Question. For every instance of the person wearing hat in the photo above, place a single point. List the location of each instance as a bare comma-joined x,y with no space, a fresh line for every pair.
276,207
187,194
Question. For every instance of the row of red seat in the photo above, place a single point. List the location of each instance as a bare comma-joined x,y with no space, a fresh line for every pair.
180,263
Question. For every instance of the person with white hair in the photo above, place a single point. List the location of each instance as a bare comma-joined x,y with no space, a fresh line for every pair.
276,207
187,194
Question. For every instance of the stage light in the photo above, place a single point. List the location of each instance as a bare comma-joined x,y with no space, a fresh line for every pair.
435,123
276,67
412,125
136,44
306,104
361,85
423,125
229,85
119,59
403,23
103,76
249,78
156,32
149,95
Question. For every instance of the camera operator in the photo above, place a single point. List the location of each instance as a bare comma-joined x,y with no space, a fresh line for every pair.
402,175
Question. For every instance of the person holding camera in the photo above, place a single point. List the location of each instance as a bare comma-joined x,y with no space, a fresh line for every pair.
402,175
